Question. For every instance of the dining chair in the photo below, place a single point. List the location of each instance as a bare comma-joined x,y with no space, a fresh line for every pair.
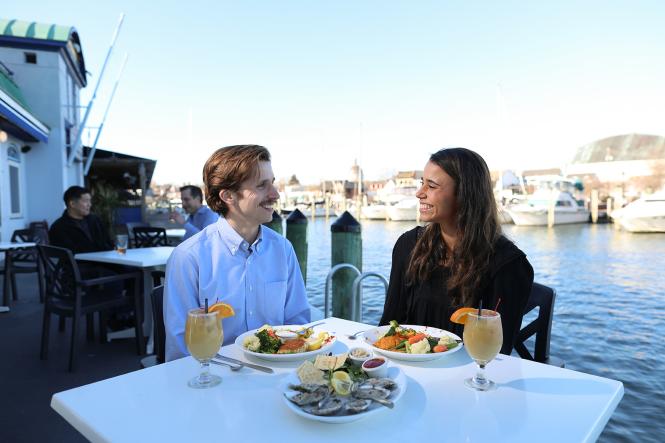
148,237
541,297
159,357
68,295
25,260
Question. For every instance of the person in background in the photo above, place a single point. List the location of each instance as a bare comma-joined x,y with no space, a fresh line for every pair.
200,215
236,260
78,229
460,257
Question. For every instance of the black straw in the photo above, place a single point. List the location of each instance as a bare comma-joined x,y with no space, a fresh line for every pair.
480,308
206,305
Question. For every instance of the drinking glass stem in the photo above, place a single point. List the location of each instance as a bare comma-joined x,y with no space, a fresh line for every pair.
480,376
204,377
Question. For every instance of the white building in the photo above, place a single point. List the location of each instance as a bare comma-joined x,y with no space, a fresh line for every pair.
41,73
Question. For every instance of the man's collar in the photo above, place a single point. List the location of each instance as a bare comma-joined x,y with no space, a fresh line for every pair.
234,241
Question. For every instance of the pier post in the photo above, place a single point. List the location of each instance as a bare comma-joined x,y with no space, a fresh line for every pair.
554,194
346,247
594,206
276,223
608,207
296,233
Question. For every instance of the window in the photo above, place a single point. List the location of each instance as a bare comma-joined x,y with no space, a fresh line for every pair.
30,57
14,191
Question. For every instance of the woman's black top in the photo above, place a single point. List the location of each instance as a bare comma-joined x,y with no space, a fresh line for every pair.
428,303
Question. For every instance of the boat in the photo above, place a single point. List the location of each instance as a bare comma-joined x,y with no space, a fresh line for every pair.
375,212
404,210
646,214
535,211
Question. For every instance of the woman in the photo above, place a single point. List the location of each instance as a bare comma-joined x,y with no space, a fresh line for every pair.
460,256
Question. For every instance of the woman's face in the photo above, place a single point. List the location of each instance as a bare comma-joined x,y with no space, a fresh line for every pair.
437,196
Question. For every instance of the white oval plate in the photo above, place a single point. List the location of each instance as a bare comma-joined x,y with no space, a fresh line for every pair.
284,357
372,335
393,372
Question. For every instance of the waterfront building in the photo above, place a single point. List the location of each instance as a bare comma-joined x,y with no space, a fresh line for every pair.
634,162
42,71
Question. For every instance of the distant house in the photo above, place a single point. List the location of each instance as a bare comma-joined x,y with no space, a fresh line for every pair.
42,71
632,160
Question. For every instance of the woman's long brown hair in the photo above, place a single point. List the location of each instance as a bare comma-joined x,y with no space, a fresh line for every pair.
478,228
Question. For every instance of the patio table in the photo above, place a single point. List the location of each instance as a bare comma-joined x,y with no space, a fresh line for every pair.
4,247
533,402
147,259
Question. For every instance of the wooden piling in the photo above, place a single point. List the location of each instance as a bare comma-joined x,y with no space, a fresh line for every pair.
296,233
346,247
594,206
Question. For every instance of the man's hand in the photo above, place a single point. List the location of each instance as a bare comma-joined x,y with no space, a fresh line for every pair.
177,217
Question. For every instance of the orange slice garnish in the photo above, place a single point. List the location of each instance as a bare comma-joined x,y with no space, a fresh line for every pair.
460,315
223,310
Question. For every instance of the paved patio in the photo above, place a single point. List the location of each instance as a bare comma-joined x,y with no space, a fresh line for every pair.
27,383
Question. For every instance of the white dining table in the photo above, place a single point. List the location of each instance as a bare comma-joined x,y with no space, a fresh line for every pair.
146,259
4,247
533,402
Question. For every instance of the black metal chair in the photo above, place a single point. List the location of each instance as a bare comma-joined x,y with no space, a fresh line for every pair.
541,297
68,295
148,237
24,260
157,300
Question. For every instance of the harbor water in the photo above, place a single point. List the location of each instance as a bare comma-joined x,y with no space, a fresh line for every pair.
608,317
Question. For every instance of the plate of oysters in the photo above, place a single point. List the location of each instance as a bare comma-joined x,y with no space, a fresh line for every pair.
336,389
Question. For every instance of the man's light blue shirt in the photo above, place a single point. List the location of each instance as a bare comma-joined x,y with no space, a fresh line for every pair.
262,283
195,223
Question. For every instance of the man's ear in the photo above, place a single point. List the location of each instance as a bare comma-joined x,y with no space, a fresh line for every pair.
226,196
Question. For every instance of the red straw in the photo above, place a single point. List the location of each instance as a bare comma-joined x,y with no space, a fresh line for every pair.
497,305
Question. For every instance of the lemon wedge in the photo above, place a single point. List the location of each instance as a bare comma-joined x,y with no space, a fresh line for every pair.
341,383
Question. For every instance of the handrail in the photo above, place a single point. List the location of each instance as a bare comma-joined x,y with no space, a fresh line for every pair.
332,272
357,295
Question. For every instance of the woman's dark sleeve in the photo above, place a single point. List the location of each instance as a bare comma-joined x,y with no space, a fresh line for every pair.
395,305
512,284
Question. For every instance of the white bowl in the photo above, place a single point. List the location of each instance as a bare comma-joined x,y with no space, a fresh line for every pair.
359,359
379,371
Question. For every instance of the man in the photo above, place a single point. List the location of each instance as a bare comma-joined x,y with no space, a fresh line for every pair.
77,229
200,215
235,260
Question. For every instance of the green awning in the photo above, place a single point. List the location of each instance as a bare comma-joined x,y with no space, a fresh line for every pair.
10,88
40,31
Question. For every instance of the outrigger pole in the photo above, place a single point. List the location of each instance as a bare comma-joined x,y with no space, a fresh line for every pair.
79,134
91,154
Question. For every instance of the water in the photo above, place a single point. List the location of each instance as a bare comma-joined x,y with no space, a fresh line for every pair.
608,318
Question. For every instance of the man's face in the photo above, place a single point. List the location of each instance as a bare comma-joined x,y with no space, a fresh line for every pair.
189,203
255,199
80,207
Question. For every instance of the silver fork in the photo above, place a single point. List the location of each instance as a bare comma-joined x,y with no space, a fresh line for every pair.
234,368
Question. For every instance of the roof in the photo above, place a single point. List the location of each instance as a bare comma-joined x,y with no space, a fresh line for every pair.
622,148
119,170
23,34
12,89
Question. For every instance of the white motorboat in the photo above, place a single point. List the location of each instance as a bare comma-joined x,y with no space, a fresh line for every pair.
646,214
405,210
535,211
374,212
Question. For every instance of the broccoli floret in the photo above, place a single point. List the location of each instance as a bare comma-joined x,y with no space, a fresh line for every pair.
393,326
269,344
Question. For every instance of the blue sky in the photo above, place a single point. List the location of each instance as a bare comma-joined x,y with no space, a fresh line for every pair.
387,82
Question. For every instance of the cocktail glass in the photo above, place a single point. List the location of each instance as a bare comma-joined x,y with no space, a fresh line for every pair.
203,336
483,337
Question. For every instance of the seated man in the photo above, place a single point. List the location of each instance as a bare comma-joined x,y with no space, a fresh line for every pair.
77,229
200,215
235,260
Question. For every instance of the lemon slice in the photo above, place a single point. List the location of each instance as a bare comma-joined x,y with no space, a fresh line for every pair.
341,383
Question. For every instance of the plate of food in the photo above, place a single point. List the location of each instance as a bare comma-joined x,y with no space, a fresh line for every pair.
333,389
412,342
285,342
